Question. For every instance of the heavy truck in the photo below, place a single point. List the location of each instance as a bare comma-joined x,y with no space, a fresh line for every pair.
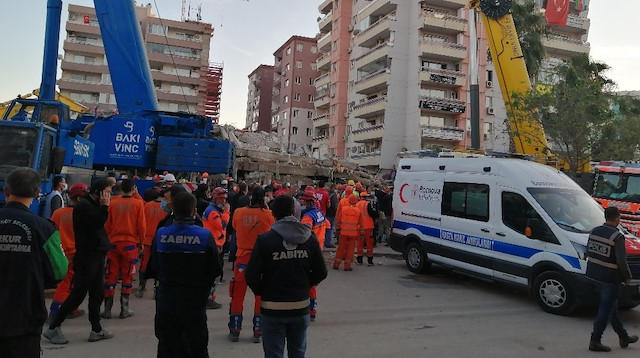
39,133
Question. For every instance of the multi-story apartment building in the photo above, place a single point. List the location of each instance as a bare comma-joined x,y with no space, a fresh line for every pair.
294,92
259,99
178,54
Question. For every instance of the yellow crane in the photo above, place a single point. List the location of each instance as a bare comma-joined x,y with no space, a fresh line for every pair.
73,105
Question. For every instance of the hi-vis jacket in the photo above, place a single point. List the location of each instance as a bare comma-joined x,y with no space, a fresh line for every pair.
216,220
317,221
350,221
367,220
607,261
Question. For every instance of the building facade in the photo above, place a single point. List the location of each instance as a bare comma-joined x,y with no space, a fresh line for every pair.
294,93
259,99
178,54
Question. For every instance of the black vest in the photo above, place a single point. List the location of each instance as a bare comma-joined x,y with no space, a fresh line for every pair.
601,262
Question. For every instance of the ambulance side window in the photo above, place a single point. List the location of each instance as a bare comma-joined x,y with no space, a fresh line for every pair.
465,200
516,210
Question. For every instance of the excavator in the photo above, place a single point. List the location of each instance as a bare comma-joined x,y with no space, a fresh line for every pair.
74,107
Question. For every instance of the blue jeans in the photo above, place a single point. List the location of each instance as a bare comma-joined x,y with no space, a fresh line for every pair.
608,311
276,329
328,236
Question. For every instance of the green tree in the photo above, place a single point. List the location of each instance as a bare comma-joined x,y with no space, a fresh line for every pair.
575,112
620,139
532,27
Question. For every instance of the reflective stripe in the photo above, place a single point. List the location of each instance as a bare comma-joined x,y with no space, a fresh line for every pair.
272,305
602,263
608,241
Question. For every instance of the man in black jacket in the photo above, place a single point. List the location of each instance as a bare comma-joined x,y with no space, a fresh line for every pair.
285,262
31,259
92,245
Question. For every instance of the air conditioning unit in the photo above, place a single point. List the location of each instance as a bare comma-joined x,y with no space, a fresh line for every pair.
349,50
356,31
490,110
489,84
350,28
346,114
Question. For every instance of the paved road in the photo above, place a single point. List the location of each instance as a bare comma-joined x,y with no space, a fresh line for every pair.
383,311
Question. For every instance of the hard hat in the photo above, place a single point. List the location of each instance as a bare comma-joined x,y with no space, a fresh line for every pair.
339,187
351,182
358,186
224,182
165,172
78,189
205,175
364,194
219,193
353,199
169,177
348,190
309,194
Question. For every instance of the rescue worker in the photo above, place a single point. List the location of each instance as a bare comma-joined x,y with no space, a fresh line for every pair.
185,269
54,199
285,262
169,180
126,228
249,222
348,190
315,219
216,219
607,266
63,218
349,227
30,261
153,214
368,224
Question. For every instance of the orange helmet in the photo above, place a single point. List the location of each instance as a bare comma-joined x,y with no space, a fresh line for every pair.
364,194
353,199
205,175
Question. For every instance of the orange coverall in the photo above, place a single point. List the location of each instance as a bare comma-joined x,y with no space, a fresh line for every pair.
63,218
369,224
126,227
319,225
351,225
153,214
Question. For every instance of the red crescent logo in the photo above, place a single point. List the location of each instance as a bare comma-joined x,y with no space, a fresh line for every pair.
401,197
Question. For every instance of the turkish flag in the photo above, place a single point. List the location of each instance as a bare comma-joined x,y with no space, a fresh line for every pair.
557,12
87,20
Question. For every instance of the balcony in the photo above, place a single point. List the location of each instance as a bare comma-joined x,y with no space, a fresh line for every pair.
444,78
325,6
575,25
173,78
442,105
322,80
376,53
373,82
451,4
448,51
70,84
178,60
82,47
444,133
321,102
376,8
319,140
367,134
565,45
443,23
371,108
325,23
176,97
366,158
372,34
83,67
324,43
321,121
275,108
82,28
323,63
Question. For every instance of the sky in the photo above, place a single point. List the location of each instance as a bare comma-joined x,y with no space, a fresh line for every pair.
247,32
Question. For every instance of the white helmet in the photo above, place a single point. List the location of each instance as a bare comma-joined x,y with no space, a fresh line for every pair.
169,177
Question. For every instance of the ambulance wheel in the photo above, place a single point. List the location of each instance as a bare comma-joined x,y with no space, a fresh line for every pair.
553,293
416,258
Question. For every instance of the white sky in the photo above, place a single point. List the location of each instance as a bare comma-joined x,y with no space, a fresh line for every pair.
248,32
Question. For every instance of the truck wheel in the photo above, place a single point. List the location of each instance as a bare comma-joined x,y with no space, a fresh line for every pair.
553,293
416,258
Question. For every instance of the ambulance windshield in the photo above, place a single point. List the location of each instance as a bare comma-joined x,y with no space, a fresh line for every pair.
572,210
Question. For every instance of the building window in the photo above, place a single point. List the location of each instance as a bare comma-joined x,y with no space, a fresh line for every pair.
298,64
294,130
288,50
295,113
309,131
286,99
298,80
334,46
300,47
489,75
309,114
314,49
311,99
286,83
285,115
288,67
333,109
312,81
296,97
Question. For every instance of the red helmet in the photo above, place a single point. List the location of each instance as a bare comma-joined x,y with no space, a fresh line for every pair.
348,190
77,189
205,175
353,199
339,187
309,194
219,193
358,186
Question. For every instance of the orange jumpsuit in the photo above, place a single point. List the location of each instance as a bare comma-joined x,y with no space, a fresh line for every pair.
63,218
369,224
248,222
319,225
351,225
126,228
153,214
216,221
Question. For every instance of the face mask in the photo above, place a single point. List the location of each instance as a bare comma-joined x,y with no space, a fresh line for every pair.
163,205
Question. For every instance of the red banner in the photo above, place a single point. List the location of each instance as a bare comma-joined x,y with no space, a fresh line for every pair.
87,20
557,12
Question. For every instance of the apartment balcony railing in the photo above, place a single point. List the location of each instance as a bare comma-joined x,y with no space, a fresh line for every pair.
441,22
373,82
379,30
446,78
321,121
435,47
370,108
442,104
444,133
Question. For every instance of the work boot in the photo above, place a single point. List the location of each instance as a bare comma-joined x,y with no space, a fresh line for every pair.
359,260
348,268
141,288
108,303
256,338
98,336
213,305
599,347
125,312
370,261
55,336
624,342
234,336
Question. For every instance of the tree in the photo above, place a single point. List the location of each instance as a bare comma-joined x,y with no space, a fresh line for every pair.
621,137
575,112
531,26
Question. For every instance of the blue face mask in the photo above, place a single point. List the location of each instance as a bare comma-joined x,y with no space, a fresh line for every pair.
163,205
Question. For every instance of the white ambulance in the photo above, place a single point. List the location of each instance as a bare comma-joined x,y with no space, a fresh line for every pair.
501,219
